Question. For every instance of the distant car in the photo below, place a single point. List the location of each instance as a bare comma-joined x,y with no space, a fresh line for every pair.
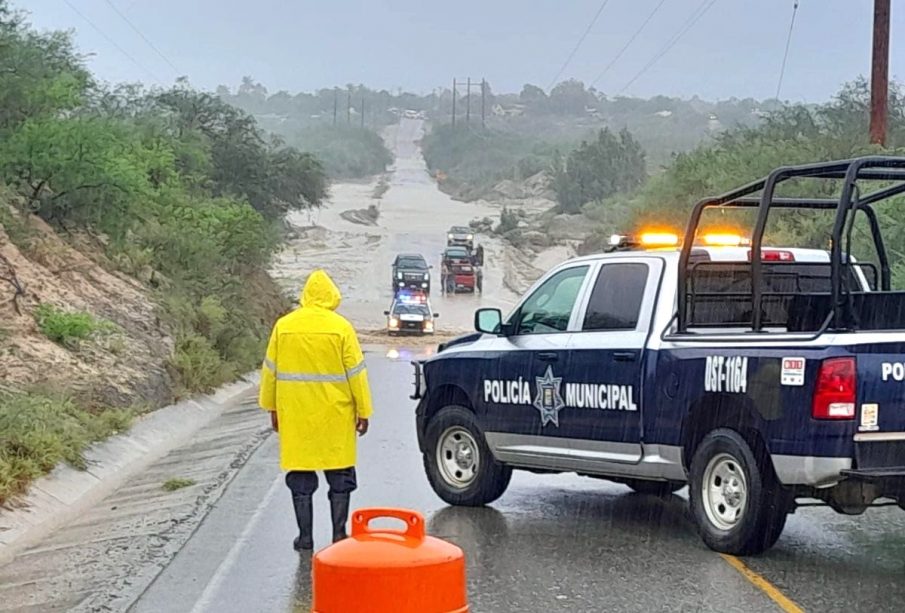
410,114
410,313
411,271
460,235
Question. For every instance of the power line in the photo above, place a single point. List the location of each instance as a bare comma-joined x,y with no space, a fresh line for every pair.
143,37
785,55
579,43
630,41
111,41
689,23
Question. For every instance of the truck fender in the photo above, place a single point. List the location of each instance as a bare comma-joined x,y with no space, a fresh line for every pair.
714,411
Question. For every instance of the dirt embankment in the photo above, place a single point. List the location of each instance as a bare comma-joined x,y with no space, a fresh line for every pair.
121,364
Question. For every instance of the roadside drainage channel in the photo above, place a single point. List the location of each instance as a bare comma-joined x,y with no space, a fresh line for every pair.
57,498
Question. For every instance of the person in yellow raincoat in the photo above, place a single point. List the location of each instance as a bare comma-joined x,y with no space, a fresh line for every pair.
314,383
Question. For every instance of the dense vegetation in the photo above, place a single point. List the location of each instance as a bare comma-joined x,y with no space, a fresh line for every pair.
598,169
347,152
473,159
178,182
793,134
347,148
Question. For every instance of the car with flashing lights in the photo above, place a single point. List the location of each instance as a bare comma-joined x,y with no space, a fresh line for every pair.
411,272
460,236
410,313
763,377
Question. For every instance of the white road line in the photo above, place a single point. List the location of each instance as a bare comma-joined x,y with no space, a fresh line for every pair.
204,601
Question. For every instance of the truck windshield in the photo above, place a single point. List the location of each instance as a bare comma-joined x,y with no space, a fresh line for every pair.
412,262
411,309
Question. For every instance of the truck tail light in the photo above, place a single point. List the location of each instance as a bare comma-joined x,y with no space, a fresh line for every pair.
834,393
774,255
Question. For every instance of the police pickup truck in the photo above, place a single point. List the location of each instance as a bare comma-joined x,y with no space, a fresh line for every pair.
759,376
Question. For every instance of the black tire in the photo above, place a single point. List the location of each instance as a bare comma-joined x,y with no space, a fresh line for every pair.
654,488
489,478
760,519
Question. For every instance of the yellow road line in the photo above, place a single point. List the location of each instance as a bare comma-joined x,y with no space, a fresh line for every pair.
763,585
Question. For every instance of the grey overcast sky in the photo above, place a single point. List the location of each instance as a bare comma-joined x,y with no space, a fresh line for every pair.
735,49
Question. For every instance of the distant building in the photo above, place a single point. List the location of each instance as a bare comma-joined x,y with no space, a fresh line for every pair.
514,110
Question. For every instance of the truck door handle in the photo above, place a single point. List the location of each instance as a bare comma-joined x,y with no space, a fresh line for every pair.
625,356
548,356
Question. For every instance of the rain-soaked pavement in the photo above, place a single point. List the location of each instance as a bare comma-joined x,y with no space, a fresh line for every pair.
551,543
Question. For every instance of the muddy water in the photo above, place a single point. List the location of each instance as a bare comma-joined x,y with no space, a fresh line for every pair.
414,217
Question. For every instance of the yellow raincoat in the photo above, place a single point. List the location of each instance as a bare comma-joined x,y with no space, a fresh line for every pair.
314,377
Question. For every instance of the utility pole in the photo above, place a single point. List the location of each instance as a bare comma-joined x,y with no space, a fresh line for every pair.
349,107
335,103
468,102
454,104
483,95
879,74
362,109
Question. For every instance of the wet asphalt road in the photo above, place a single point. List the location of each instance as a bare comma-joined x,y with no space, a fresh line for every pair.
551,543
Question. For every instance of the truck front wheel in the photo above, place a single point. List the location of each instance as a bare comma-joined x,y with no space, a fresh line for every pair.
459,465
738,506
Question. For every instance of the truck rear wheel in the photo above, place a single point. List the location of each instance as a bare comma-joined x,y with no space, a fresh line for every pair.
738,506
459,465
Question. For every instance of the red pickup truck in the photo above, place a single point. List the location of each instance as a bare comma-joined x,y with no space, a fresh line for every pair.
458,263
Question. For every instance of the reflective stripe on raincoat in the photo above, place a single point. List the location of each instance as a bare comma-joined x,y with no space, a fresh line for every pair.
314,377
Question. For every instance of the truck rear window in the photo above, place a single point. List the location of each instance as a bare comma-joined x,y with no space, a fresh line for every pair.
720,292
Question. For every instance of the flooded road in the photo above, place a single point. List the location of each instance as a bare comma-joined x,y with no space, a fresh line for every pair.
414,218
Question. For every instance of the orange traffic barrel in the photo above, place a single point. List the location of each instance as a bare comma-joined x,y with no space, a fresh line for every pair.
379,570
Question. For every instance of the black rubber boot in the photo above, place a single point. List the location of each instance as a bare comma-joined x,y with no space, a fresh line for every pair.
339,513
304,516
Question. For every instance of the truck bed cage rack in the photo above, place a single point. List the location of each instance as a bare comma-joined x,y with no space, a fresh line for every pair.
851,172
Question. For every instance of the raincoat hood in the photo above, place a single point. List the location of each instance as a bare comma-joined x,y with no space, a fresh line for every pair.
320,291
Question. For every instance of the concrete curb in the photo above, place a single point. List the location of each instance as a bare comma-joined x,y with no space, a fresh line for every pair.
57,498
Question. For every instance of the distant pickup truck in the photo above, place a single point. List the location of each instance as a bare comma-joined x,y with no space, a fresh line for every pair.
459,266
411,271
758,376
460,236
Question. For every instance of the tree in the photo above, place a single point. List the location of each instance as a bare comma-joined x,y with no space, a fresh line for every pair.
598,169
533,96
570,98
40,73
75,169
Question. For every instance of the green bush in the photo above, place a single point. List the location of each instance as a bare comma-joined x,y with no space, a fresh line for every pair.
65,327
39,431
177,483
199,365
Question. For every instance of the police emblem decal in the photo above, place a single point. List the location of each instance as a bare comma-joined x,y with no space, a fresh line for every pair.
549,400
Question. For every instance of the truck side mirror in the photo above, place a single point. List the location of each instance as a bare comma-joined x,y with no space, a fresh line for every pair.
386,313
488,321
436,315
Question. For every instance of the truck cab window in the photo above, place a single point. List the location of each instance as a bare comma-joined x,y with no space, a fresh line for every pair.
616,299
549,308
